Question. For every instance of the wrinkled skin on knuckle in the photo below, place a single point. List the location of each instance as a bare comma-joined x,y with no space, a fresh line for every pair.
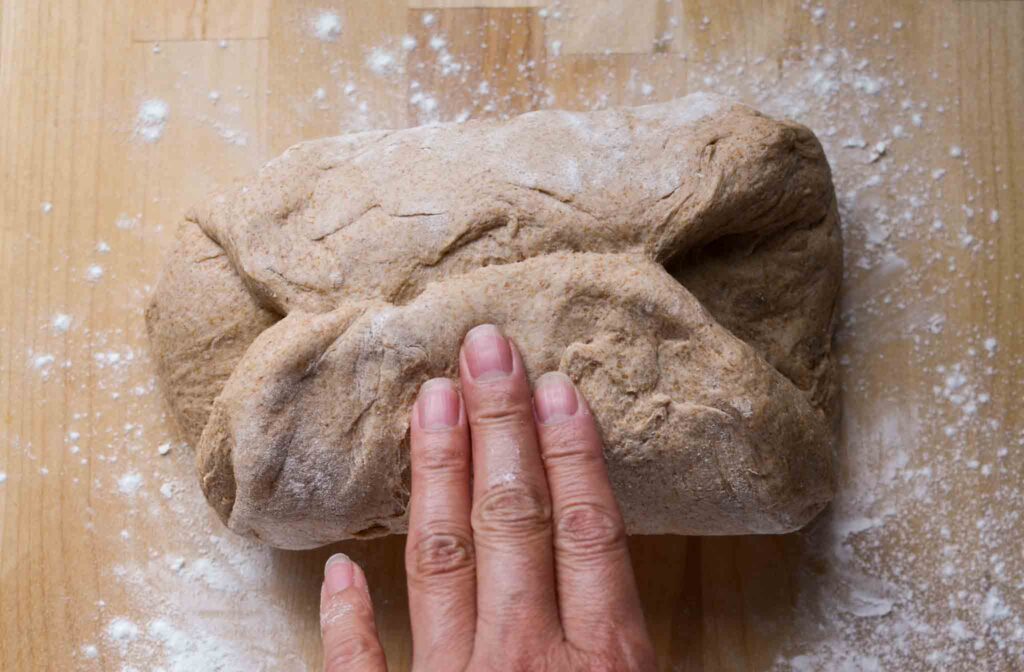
498,405
571,446
585,530
612,654
437,552
353,651
511,510
440,455
344,608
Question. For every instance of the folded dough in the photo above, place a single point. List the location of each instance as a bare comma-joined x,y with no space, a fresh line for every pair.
680,262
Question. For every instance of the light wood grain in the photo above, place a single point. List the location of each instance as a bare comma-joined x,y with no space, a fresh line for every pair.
622,27
452,4
72,78
355,96
201,20
488,63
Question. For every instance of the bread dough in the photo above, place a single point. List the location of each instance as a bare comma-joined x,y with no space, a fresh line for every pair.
680,262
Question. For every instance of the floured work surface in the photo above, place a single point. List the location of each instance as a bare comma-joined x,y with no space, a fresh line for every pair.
116,118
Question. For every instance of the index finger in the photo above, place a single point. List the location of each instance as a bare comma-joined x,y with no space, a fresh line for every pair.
439,557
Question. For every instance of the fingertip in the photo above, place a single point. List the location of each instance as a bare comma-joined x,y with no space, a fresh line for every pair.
342,573
486,353
438,405
555,398
339,572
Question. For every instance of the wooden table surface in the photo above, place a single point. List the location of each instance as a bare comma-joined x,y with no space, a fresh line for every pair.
116,116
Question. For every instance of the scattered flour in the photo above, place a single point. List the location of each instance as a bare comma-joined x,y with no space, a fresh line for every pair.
232,136
327,27
383,61
185,652
151,119
61,323
122,631
188,627
129,483
126,222
94,273
43,362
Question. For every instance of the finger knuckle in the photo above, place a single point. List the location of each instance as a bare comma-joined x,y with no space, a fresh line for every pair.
352,650
441,453
511,509
588,529
570,444
345,611
439,552
502,405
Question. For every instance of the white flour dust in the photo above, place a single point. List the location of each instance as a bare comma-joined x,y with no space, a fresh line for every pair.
152,119
61,323
209,612
327,27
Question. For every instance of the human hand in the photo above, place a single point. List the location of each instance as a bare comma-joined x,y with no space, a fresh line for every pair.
516,557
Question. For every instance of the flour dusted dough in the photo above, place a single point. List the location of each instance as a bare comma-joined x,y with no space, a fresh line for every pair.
679,261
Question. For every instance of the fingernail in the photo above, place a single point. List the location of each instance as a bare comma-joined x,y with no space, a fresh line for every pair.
487,352
338,573
555,398
438,404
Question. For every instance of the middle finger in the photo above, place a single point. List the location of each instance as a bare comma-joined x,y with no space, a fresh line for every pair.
511,507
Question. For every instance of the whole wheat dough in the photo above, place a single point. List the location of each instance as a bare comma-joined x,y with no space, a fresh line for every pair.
679,261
